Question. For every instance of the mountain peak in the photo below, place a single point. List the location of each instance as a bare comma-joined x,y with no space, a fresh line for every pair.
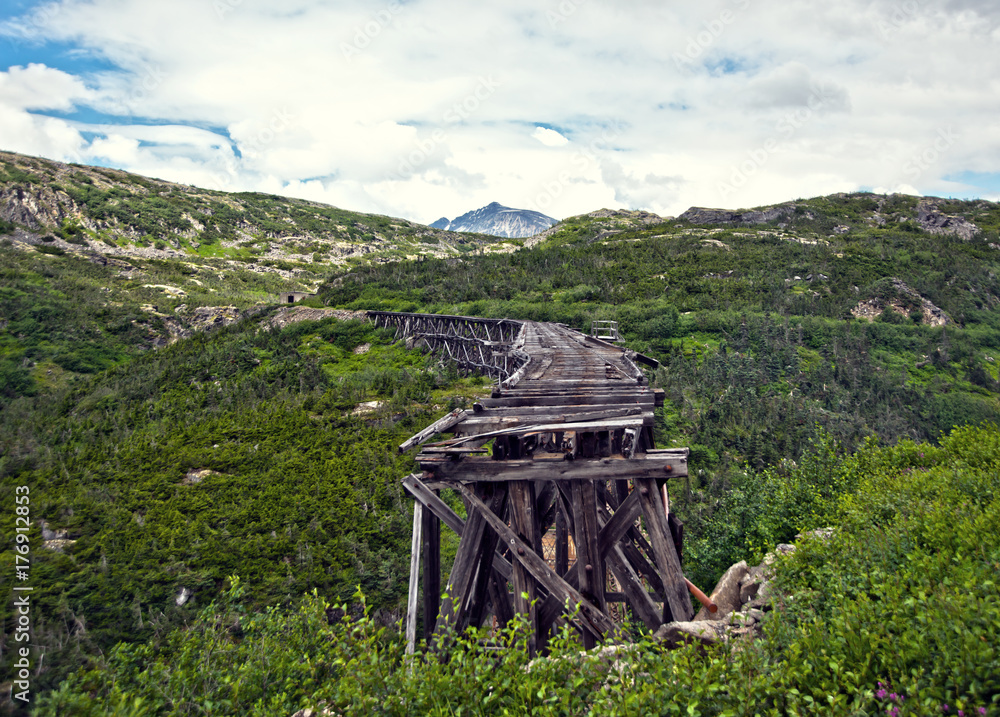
497,220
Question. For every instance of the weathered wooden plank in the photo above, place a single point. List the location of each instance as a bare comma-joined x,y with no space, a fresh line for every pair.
463,571
589,566
543,467
562,540
432,570
442,424
607,388
636,596
524,521
477,606
621,522
500,599
567,407
638,399
676,593
415,486
609,424
411,602
472,552
592,618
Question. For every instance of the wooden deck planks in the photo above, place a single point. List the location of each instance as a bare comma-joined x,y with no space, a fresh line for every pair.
579,416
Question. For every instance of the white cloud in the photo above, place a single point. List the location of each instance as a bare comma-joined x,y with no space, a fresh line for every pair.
549,137
37,87
424,113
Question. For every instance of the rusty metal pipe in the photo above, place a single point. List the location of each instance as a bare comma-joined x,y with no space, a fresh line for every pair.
701,597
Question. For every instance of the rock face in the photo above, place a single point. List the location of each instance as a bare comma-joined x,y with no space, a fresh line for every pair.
294,314
935,222
701,215
497,220
872,308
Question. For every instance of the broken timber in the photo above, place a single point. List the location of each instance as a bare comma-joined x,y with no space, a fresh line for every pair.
571,461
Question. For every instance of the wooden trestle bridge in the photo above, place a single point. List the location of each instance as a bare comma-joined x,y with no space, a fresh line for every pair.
570,421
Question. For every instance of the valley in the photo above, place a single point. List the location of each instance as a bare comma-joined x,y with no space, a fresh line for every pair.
222,480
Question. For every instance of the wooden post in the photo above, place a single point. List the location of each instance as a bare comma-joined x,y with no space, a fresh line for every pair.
411,603
562,541
589,566
677,603
432,571
524,521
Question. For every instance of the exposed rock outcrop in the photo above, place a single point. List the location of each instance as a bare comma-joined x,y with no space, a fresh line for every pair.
293,314
726,594
934,221
871,309
701,215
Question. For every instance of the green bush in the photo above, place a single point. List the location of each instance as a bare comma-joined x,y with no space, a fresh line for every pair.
51,250
897,612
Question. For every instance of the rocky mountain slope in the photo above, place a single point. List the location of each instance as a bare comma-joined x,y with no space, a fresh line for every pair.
497,220
114,213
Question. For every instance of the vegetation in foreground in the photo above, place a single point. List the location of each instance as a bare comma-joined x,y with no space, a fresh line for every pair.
247,450
898,613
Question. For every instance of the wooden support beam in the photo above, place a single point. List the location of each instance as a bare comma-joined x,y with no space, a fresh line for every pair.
677,602
432,570
591,618
485,572
589,566
475,539
524,521
562,540
411,602
484,423
543,468
422,493
609,424
637,399
636,596
620,523
442,424
568,406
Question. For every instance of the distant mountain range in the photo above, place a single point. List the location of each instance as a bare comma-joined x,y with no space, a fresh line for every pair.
497,220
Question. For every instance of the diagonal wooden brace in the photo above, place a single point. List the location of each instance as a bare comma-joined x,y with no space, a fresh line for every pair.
677,600
591,618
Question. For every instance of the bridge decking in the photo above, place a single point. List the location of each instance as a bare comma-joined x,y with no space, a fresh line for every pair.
565,446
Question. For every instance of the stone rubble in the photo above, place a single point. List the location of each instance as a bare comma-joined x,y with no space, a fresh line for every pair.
743,594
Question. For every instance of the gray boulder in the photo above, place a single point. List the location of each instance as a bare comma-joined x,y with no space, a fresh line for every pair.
726,594
705,632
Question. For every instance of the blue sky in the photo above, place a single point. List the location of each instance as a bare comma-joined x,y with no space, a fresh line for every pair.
430,108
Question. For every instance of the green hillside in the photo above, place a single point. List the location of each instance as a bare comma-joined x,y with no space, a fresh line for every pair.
176,430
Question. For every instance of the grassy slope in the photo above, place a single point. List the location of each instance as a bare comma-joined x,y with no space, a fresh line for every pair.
898,613
307,496
300,493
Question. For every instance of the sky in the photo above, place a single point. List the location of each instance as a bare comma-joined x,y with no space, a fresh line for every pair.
428,108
